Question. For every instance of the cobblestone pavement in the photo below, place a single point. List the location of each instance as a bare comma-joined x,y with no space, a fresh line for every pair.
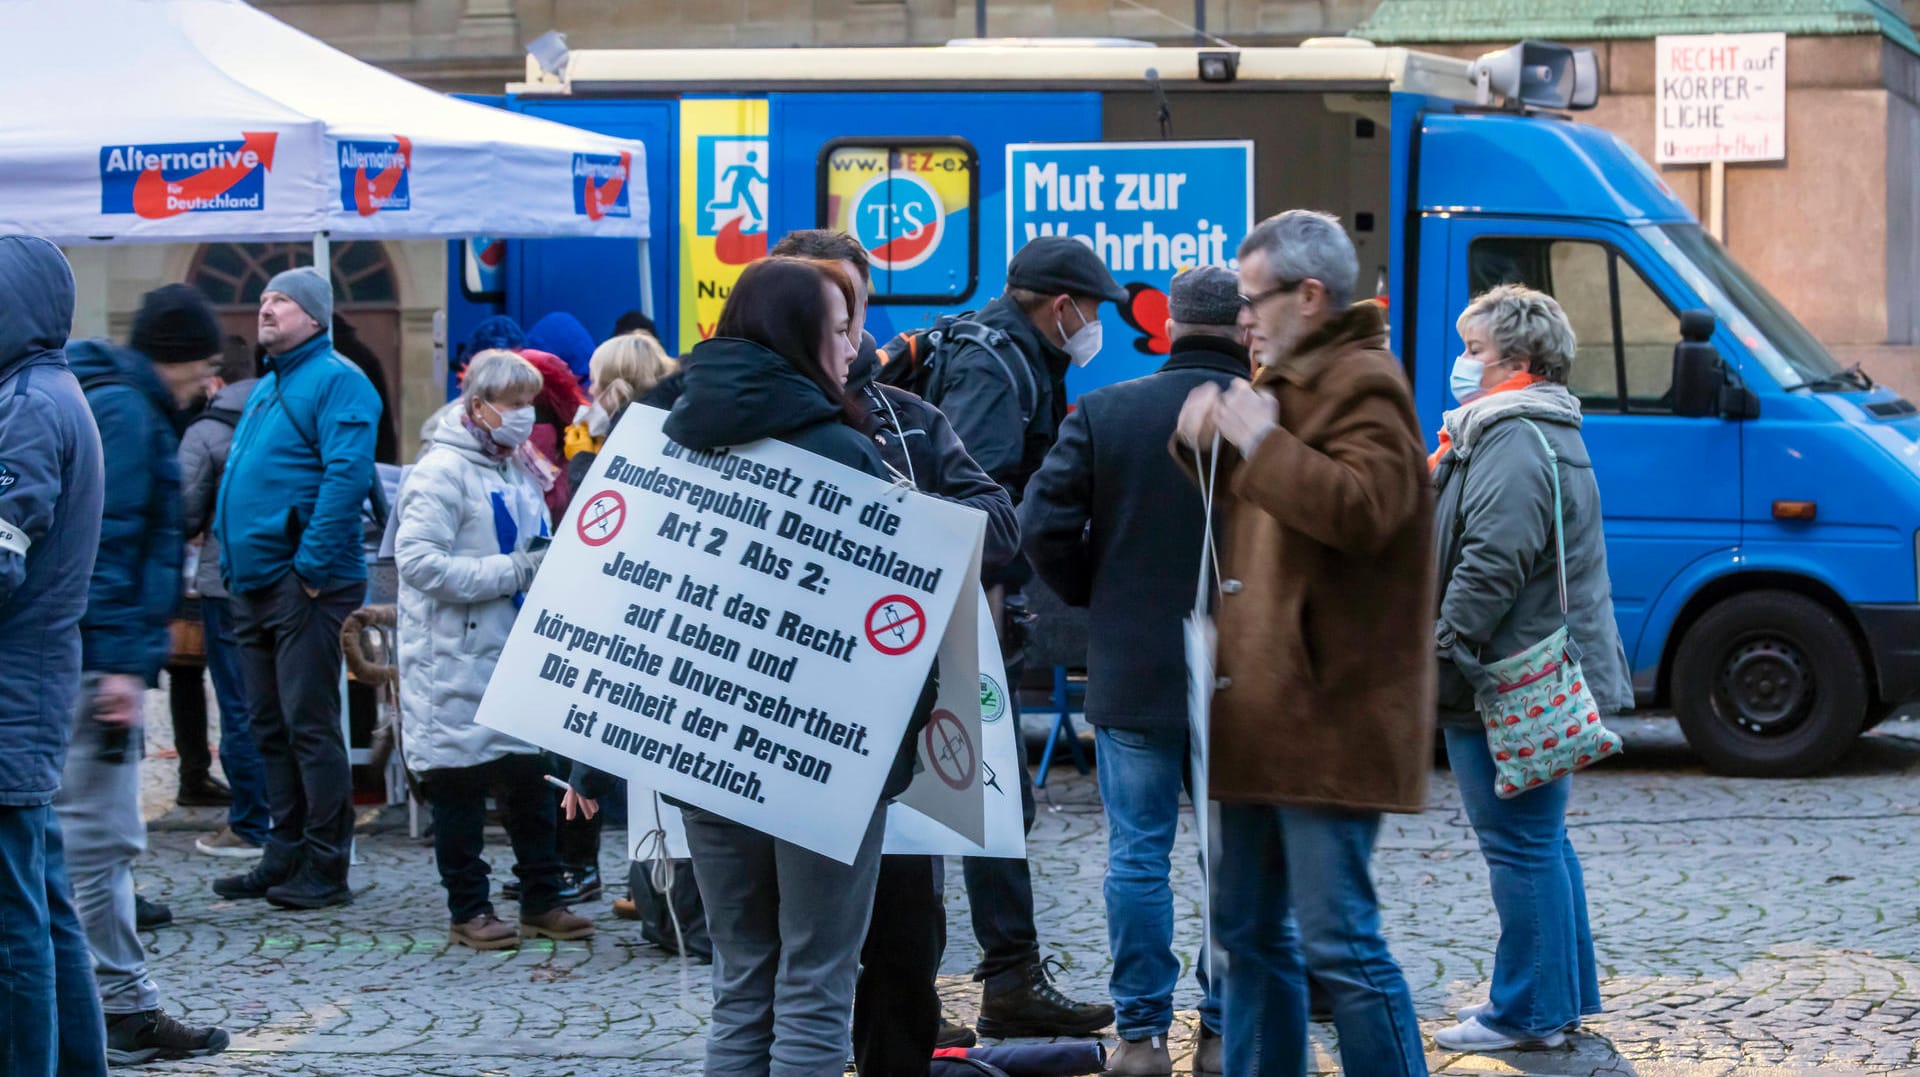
1751,927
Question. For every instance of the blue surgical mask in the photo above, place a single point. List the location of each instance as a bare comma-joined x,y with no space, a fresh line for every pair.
1465,379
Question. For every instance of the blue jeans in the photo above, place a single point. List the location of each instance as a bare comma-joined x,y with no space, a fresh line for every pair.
49,1011
239,756
1142,772
1293,891
1544,977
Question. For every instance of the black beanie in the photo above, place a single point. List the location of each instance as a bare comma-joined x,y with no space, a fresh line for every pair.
176,325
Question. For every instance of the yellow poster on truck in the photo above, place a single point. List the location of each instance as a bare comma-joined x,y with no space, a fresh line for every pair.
723,205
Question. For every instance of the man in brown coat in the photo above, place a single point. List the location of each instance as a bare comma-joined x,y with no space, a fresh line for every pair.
1323,704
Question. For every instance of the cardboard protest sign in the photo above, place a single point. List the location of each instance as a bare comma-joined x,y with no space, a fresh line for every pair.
746,629
655,828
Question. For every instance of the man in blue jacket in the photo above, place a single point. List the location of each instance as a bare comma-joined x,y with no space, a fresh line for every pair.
1111,523
50,493
124,643
291,556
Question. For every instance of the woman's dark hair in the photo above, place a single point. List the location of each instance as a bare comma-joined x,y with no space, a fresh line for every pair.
778,303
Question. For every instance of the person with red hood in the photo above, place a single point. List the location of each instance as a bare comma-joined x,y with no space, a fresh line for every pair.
559,401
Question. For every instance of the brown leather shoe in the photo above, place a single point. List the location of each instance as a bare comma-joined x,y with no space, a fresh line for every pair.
558,922
484,932
625,909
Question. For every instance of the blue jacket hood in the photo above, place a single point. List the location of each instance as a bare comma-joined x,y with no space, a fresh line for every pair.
562,334
38,286
94,360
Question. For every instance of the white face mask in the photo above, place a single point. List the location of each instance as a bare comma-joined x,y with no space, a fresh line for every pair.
1084,343
1465,379
516,425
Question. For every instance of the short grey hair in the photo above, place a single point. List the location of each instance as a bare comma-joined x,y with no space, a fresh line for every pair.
1181,330
496,374
1301,243
1525,324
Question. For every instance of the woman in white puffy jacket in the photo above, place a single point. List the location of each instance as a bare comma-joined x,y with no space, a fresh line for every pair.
473,527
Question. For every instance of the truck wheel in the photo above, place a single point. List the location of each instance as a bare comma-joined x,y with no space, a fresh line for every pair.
1769,684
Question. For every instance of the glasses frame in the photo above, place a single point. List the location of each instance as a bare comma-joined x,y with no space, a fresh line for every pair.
1249,302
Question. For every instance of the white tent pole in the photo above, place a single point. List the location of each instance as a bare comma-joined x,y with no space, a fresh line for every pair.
646,280
323,254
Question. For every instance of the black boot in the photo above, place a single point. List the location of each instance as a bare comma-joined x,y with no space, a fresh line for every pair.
577,886
157,1036
310,888
203,791
1024,1002
148,915
275,867
953,1034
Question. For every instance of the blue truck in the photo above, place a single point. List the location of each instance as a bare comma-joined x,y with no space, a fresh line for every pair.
1762,502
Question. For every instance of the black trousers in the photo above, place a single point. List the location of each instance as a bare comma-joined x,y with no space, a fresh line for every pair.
458,797
290,658
187,702
896,1009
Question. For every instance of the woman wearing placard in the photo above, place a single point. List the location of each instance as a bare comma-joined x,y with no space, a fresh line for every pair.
1522,558
472,531
786,923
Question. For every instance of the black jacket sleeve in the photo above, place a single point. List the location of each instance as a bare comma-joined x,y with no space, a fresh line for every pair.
1056,510
960,479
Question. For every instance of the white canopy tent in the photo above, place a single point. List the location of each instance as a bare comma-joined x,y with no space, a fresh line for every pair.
202,120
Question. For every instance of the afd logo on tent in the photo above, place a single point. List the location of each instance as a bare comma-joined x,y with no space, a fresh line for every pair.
161,180
600,185
375,177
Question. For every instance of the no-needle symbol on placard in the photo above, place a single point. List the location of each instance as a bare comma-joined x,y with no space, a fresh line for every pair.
600,520
896,624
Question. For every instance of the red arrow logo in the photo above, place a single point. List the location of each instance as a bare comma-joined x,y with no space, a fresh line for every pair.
369,193
599,199
156,197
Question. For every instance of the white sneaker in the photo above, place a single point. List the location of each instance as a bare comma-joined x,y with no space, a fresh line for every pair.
1468,1013
228,844
1471,1035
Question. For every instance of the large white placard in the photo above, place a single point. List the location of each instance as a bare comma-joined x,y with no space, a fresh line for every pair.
655,827
746,630
1720,97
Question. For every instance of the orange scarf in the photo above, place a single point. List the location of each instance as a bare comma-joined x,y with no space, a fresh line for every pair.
1518,381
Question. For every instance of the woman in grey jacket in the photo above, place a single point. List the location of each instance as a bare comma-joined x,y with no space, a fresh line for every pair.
472,530
1499,595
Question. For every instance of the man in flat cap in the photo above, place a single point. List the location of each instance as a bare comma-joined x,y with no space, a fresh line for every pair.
288,520
1005,393
1111,523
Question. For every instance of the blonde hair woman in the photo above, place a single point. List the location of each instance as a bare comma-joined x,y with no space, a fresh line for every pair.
621,371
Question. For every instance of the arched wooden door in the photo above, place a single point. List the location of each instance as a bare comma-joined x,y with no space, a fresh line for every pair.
366,295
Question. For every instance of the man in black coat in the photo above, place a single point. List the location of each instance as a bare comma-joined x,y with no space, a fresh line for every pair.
1110,523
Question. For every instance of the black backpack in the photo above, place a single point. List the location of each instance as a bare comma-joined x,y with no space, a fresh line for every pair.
907,359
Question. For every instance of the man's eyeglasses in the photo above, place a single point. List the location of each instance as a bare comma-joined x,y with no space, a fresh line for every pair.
1251,301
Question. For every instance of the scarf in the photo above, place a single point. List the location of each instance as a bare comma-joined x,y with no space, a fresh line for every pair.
1519,381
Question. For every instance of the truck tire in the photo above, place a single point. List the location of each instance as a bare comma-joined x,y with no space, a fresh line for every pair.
1769,684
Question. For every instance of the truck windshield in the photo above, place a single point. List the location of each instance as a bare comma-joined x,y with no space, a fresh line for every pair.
1791,354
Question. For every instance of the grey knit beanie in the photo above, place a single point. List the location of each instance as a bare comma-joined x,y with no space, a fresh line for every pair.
305,286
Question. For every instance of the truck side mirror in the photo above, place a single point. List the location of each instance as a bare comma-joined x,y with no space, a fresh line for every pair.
1698,372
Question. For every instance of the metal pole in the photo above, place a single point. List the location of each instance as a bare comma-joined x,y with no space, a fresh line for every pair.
323,254
979,18
1717,200
1199,22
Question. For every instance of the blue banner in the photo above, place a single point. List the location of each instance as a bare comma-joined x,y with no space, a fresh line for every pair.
1150,210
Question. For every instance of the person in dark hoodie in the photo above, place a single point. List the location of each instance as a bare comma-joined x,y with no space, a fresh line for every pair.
896,1008
776,368
52,485
125,641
